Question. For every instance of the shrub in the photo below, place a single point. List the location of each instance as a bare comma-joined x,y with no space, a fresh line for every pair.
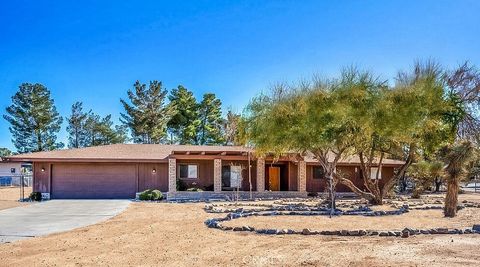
150,194
312,194
181,186
35,196
194,189
209,187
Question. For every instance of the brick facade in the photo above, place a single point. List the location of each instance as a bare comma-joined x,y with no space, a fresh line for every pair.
217,175
302,176
260,174
172,175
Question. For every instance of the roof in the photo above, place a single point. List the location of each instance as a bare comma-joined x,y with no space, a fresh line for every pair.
123,152
156,153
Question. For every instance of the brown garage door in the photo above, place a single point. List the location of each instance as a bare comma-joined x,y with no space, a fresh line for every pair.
93,181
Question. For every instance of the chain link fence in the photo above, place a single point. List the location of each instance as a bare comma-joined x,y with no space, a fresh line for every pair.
15,186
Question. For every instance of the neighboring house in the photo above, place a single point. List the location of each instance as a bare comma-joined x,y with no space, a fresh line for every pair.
122,170
10,173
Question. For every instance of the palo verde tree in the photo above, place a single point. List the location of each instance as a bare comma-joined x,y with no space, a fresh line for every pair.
309,117
402,122
147,114
34,119
356,114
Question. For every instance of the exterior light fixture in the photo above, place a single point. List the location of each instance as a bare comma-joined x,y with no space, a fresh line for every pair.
154,170
43,169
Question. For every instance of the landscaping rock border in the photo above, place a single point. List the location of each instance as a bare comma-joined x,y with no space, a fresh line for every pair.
306,210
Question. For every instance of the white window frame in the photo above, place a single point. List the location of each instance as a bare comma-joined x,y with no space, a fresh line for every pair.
373,173
235,176
192,171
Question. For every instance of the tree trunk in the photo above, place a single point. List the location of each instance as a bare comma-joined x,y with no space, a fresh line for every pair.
451,200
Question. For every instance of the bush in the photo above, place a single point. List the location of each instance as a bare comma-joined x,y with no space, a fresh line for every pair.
36,196
209,187
312,194
194,189
181,186
150,194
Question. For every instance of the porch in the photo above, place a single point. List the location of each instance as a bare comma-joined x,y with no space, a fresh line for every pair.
223,173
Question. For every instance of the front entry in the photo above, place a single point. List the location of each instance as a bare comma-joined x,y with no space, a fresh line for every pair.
274,178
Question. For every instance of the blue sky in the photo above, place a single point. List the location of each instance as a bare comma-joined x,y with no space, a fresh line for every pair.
93,51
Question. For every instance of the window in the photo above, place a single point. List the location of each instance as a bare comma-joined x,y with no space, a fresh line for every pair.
373,173
232,176
188,171
318,172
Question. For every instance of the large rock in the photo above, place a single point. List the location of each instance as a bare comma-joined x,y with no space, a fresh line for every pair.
307,231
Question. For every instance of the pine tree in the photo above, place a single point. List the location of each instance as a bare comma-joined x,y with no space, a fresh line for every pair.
148,114
34,119
210,116
183,125
76,126
89,129
101,131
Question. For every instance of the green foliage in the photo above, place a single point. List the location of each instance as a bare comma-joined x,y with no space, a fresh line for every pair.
209,130
184,124
101,131
181,185
426,173
463,94
35,196
4,152
194,189
355,113
148,114
34,119
89,129
76,126
151,194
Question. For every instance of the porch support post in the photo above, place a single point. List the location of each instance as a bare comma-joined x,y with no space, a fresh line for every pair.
217,175
172,175
260,174
302,176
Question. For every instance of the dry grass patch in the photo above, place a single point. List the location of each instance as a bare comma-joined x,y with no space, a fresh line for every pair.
9,197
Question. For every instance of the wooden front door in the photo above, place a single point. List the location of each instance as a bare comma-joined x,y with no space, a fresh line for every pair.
274,178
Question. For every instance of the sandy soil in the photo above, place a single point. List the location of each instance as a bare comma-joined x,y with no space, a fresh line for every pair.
9,197
420,219
174,235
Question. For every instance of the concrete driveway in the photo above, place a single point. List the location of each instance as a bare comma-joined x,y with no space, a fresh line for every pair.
55,216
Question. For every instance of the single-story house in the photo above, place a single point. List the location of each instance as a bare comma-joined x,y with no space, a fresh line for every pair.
122,170
10,172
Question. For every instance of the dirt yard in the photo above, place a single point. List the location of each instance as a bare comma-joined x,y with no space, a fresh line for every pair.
175,235
9,197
